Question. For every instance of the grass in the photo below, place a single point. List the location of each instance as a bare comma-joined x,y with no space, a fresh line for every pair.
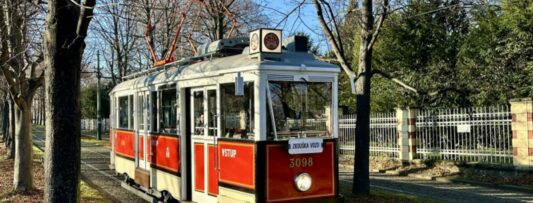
377,195
87,194
92,140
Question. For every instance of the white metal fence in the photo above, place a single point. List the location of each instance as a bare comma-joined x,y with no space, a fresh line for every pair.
92,124
383,134
481,134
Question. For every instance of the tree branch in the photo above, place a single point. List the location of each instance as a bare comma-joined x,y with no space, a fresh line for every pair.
333,43
413,89
379,25
335,25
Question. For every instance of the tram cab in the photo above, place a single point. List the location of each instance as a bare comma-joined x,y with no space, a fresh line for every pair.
256,125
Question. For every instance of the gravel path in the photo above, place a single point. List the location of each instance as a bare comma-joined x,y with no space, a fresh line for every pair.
441,191
95,170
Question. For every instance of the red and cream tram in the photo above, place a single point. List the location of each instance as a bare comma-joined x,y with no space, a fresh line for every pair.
245,121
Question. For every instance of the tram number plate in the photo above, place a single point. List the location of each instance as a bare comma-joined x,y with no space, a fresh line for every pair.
301,162
305,145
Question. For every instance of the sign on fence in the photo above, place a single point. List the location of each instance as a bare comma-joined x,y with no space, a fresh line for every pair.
465,128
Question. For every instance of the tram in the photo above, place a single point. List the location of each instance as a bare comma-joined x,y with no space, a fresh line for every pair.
246,120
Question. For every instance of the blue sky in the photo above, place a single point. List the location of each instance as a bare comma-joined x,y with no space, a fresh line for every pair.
303,19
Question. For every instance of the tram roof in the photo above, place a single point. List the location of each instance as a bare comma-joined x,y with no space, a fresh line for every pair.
174,72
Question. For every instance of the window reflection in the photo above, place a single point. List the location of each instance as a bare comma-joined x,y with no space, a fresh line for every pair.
198,105
237,112
168,111
123,112
300,109
212,112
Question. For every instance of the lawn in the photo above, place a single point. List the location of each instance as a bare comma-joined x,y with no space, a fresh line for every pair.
88,194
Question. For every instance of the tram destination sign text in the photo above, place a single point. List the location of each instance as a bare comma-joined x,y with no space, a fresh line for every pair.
305,145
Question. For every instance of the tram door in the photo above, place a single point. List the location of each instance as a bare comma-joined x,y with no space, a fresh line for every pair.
203,141
143,129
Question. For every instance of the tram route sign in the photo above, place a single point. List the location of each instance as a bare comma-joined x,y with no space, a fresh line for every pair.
309,145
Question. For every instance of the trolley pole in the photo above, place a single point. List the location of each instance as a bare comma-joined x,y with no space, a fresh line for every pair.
98,119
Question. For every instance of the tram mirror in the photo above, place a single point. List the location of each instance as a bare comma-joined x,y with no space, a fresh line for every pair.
239,85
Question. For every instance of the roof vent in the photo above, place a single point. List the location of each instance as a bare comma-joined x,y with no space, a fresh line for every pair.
224,47
296,43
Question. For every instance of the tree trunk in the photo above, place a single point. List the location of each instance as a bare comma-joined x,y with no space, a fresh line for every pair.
66,28
361,182
5,121
23,179
11,142
43,107
62,153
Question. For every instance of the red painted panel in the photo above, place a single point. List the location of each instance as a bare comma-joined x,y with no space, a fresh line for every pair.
165,152
280,174
213,173
237,163
124,143
141,148
199,166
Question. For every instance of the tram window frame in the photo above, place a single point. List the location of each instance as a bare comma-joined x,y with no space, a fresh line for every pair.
227,91
168,95
131,112
141,101
153,113
123,112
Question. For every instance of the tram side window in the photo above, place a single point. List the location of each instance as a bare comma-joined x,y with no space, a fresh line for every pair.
237,112
168,110
123,112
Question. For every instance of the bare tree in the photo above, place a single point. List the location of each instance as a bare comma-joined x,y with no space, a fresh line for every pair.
21,70
118,27
67,22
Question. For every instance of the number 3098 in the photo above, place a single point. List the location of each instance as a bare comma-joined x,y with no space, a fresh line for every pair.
300,162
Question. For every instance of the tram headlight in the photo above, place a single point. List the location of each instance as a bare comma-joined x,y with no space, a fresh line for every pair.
303,182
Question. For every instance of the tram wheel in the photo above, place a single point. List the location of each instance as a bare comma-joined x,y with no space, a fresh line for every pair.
167,197
127,179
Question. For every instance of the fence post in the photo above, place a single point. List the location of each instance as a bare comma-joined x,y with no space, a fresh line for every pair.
406,121
522,127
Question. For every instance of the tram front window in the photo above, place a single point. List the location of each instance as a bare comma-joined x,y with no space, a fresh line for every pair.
299,109
237,112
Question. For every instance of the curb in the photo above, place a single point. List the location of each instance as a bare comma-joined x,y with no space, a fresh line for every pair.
456,180
493,185
422,177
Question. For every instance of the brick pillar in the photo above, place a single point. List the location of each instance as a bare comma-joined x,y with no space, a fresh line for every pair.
406,121
522,126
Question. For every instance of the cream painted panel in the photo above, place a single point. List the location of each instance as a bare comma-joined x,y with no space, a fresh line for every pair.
168,182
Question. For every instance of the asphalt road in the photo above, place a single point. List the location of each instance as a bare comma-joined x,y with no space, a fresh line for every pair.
95,170
441,191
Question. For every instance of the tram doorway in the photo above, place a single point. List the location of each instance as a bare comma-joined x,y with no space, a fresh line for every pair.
143,128
204,122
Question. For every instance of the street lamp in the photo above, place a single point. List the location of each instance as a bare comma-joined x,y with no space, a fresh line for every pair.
98,119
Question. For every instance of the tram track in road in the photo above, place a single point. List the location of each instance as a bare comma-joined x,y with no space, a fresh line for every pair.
440,191
94,170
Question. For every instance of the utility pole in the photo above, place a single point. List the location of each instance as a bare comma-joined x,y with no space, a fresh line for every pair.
98,119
